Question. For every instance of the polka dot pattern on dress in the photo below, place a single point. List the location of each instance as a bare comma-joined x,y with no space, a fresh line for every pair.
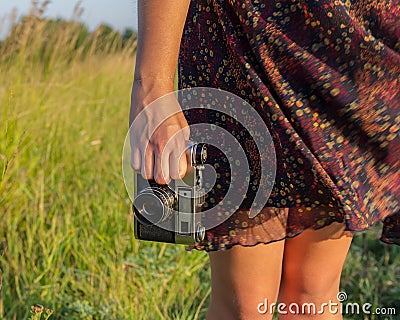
324,75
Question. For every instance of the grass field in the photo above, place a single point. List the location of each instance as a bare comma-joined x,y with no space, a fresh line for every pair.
66,238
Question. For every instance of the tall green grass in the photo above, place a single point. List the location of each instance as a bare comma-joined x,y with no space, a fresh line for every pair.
66,239
66,232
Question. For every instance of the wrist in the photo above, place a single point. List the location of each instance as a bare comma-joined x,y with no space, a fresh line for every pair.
156,76
154,85
154,82
148,90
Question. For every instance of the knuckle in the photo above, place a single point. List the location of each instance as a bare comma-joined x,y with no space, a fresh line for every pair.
160,147
146,145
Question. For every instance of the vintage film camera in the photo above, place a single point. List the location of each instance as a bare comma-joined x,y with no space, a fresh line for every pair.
172,213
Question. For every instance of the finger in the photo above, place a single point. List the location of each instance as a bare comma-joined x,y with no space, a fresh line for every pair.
147,165
161,170
178,163
177,159
186,132
135,159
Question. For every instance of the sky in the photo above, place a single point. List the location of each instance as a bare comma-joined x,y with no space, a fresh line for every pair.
120,14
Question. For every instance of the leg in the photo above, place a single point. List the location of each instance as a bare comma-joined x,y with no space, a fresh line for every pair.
312,266
242,278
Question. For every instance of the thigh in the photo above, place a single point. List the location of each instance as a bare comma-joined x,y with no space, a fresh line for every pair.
313,262
242,278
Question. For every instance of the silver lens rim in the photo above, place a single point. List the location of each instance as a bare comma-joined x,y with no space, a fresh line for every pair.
166,199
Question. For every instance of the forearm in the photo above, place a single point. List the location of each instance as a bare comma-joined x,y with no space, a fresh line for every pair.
160,30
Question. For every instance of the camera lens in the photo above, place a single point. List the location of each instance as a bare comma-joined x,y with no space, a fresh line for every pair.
149,209
154,204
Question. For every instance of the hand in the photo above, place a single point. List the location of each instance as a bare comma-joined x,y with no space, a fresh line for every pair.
159,132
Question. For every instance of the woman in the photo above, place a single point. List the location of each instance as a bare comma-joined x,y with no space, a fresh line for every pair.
325,76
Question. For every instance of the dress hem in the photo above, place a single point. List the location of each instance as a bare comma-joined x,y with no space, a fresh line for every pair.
218,247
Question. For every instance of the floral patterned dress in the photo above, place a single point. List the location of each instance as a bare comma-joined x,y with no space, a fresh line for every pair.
325,76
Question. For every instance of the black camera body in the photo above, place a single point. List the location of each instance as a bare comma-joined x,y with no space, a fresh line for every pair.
172,213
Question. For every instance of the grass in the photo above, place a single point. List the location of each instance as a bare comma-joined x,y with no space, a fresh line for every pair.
66,239
66,231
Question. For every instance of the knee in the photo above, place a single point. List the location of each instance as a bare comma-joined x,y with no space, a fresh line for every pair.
302,288
239,307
